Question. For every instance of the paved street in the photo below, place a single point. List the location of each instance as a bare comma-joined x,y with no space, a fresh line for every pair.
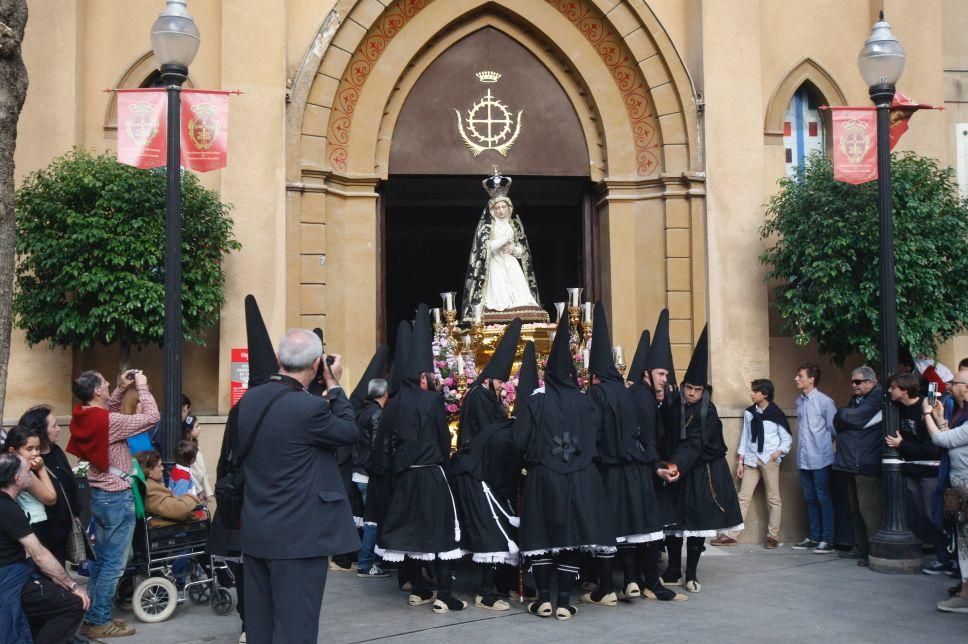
749,595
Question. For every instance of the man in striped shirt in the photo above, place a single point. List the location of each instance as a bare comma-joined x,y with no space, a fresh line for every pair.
99,435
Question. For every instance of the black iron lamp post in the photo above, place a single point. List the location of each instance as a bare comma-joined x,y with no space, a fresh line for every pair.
175,40
894,548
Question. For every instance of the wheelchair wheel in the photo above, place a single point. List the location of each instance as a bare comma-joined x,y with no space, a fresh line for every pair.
222,602
200,594
154,599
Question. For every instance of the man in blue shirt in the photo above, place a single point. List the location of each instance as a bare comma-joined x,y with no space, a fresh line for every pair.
815,455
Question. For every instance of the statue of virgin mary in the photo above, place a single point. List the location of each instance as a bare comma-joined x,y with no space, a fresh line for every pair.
500,273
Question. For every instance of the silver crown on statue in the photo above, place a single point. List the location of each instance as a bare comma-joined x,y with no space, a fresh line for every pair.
497,185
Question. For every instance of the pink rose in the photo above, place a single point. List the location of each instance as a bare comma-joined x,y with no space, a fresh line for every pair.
452,409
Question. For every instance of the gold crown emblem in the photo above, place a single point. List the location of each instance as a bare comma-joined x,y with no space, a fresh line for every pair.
142,108
488,76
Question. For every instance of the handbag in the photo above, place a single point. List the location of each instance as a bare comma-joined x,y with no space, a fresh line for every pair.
78,544
230,489
955,507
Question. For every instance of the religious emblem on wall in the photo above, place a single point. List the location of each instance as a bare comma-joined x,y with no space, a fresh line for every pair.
489,124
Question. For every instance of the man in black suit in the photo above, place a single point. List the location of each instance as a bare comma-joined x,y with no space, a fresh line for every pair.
295,511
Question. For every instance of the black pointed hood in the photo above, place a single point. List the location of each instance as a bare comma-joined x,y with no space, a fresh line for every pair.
560,370
395,380
262,357
527,377
660,352
697,373
376,369
420,358
499,366
600,359
637,366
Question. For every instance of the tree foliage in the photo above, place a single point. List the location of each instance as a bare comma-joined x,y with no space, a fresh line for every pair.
91,250
826,257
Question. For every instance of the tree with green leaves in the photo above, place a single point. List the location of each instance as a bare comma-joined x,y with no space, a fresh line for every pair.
91,250
825,256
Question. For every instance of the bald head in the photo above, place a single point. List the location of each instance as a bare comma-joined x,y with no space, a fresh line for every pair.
299,350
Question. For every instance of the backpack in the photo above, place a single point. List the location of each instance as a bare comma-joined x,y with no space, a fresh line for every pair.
230,489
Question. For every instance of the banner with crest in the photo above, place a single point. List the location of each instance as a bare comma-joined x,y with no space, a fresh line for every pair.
142,127
855,144
204,129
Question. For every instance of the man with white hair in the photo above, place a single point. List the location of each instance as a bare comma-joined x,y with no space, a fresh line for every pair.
36,594
295,512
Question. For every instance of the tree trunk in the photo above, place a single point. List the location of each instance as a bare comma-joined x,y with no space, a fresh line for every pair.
13,91
124,357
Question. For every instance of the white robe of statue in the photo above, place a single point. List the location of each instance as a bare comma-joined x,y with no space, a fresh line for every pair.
507,287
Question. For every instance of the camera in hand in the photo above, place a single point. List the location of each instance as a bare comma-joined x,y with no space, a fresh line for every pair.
330,360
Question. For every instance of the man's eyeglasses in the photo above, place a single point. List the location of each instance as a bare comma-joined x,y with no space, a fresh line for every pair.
860,382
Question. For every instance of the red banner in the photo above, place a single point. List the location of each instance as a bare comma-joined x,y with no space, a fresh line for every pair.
204,129
240,375
142,128
902,109
855,144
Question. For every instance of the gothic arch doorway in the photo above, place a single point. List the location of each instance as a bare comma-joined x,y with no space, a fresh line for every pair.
486,101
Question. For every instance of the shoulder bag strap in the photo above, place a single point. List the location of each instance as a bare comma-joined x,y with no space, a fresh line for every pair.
258,425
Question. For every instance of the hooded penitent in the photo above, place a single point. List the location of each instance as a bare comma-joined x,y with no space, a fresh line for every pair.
619,439
600,359
527,377
419,422
262,357
482,404
395,379
660,351
697,373
377,368
637,366
499,366
560,368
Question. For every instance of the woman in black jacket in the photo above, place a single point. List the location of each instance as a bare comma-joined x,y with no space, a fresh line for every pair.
55,532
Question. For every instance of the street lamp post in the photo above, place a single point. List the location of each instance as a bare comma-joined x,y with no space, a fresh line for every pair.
894,548
175,40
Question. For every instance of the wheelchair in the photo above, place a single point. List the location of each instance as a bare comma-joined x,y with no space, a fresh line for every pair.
171,566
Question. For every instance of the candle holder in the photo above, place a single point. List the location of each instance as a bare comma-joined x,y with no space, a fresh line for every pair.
574,296
438,324
447,299
560,309
619,359
587,312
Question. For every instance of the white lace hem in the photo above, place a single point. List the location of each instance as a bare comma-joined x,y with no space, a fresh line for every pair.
510,558
358,521
593,548
642,538
397,556
703,533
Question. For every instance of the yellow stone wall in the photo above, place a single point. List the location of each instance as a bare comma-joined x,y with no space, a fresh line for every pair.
684,236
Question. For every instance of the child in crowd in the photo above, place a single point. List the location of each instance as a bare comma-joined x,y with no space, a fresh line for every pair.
181,481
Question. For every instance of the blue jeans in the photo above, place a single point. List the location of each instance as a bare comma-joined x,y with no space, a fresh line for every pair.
366,556
113,514
820,506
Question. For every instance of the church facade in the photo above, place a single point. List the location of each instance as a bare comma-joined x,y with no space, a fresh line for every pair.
643,136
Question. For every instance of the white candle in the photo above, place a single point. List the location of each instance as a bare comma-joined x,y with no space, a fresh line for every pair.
574,296
436,313
560,308
588,309
584,356
617,355
460,364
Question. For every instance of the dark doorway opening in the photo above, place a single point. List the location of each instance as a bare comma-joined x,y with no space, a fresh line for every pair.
428,226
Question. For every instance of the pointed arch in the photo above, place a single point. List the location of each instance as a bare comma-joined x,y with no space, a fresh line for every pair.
808,71
136,74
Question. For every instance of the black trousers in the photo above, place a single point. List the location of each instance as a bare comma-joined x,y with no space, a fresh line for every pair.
283,598
53,611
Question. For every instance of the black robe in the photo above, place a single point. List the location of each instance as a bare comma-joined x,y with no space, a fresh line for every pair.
705,495
563,503
650,421
481,480
627,465
421,520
